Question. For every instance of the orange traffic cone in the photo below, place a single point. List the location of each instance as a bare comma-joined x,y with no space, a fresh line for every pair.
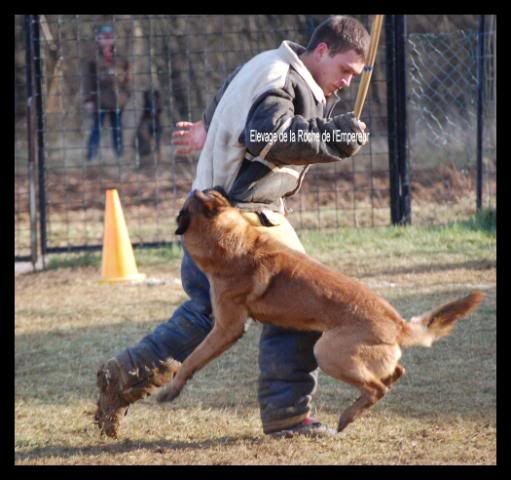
118,261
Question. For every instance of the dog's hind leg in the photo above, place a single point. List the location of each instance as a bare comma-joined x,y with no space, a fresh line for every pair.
372,392
224,333
341,356
395,376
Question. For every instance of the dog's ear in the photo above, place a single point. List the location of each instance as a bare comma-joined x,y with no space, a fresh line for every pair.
220,195
220,190
212,200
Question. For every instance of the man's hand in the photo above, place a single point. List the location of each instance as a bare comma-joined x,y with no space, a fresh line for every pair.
362,127
192,137
348,123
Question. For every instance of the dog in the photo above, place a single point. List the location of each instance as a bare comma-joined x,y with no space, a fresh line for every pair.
253,275
149,130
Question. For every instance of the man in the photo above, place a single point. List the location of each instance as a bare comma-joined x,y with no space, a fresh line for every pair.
107,88
268,123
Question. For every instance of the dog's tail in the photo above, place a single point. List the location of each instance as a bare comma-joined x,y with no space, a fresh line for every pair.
439,322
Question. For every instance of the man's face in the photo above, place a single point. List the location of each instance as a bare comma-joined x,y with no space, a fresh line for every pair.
333,73
105,40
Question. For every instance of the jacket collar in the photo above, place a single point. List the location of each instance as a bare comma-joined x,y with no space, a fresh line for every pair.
331,103
290,52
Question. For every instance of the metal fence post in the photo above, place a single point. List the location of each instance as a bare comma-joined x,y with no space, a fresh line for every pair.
480,113
400,201
401,119
395,208
38,75
32,203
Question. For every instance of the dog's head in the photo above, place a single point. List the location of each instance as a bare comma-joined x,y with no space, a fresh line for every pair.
200,206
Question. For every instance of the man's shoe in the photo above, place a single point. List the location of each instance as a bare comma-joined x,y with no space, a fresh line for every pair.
307,427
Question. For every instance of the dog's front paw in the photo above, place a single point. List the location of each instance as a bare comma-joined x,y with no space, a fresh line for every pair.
168,393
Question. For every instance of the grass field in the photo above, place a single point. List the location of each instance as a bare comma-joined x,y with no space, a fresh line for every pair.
442,412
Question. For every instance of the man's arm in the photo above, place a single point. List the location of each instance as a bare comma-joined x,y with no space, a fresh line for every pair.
316,140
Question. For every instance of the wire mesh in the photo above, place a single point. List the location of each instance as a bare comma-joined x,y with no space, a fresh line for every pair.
442,119
21,178
176,64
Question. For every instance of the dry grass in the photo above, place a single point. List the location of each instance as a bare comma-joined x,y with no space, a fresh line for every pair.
442,412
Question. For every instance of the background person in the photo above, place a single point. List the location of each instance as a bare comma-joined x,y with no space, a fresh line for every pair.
107,90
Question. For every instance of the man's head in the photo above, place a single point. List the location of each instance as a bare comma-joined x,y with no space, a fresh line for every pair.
336,52
105,36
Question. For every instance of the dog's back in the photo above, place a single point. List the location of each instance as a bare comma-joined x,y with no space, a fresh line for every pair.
301,291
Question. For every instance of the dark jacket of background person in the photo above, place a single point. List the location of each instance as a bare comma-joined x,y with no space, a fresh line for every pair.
107,84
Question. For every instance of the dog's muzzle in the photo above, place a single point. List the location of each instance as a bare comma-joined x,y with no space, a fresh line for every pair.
183,222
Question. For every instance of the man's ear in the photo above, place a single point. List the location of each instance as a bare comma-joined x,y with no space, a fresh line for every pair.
321,49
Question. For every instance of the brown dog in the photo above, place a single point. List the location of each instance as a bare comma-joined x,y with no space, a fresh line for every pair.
253,275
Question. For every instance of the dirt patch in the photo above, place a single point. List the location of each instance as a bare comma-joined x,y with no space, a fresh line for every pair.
84,190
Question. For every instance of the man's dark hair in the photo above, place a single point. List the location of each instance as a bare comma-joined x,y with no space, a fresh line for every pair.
341,34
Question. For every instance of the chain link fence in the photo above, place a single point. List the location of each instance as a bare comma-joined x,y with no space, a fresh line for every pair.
176,64
443,119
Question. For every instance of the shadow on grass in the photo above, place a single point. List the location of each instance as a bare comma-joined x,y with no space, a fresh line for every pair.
456,379
58,367
433,267
127,446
